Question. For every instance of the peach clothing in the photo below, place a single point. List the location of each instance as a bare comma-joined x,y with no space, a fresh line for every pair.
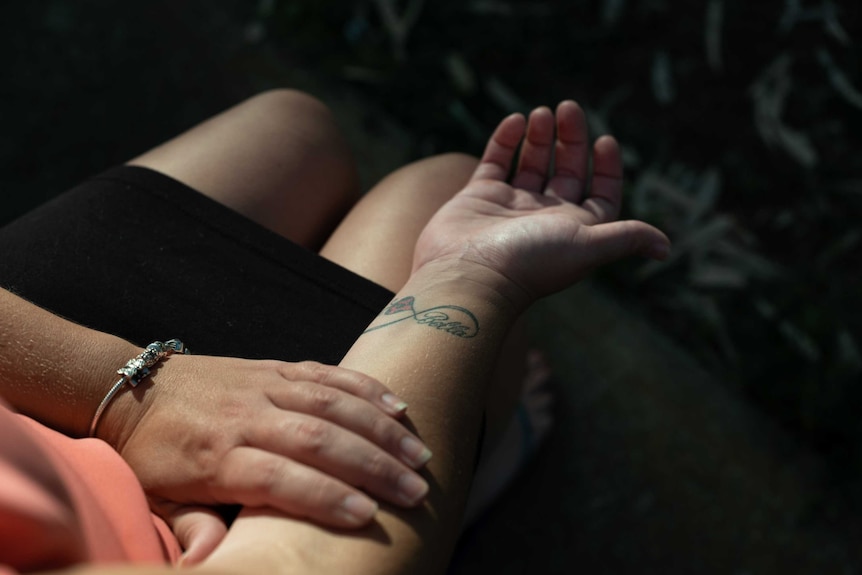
65,501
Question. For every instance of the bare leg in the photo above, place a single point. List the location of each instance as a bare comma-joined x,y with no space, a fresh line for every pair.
277,158
377,237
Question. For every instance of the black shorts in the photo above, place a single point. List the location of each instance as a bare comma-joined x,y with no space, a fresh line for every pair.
139,255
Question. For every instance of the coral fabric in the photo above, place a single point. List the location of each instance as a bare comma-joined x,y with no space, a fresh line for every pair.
65,501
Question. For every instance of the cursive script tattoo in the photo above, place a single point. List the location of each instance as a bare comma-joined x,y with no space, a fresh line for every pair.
451,319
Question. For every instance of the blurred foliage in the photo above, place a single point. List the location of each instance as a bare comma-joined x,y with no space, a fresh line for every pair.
741,126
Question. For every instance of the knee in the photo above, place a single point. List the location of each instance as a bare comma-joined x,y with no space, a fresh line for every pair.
446,173
458,164
296,114
283,104
416,191
284,108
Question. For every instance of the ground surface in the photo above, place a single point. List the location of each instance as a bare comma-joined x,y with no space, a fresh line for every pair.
657,464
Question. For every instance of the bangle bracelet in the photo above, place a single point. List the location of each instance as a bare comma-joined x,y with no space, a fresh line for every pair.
136,370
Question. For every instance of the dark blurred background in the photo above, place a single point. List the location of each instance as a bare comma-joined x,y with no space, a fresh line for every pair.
715,427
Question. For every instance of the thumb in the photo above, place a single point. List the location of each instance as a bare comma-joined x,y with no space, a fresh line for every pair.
616,240
199,530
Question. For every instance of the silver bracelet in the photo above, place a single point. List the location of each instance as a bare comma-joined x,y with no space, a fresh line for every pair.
136,370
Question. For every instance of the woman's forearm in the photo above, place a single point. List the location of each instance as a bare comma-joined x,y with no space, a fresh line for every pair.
434,345
54,370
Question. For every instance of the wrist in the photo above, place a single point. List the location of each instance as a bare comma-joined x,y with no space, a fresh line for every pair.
126,407
454,298
475,280
60,370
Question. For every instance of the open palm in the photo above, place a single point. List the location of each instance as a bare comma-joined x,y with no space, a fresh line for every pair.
542,231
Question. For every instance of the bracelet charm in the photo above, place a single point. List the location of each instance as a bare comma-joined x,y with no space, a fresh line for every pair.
136,370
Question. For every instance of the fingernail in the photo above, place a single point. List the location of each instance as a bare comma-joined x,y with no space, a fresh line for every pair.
659,251
357,509
395,402
411,489
415,451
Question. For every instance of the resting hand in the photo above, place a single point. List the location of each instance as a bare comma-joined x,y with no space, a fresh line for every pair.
297,437
541,231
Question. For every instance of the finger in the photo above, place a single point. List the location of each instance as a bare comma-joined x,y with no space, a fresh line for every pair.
500,151
257,478
615,240
347,380
354,414
199,530
570,153
341,454
607,185
536,152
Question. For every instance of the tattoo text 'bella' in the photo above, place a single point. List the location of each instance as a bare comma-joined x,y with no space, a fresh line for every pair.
452,319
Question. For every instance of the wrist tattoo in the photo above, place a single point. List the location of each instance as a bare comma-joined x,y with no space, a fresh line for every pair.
452,319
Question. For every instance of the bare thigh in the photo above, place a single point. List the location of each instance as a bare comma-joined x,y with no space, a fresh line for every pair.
278,158
376,238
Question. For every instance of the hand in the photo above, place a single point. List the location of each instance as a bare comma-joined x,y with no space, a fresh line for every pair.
542,232
297,437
